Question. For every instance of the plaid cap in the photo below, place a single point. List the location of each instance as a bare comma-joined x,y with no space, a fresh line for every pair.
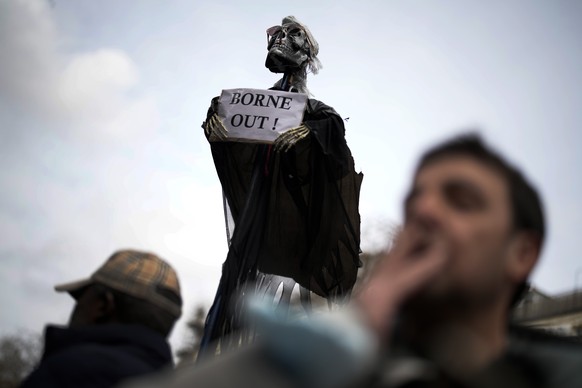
139,274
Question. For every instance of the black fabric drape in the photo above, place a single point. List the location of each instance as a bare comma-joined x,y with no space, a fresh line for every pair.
295,212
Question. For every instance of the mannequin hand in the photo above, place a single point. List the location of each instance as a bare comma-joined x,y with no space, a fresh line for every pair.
214,129
288,139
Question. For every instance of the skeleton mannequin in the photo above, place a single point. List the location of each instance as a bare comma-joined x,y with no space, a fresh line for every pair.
294,203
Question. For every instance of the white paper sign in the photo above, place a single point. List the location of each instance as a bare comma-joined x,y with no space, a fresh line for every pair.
258,115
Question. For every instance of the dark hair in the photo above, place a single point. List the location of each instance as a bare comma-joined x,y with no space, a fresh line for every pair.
525,202
132,310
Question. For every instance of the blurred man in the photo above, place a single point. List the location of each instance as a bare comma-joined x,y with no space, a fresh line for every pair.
440,301
436,312
119,326
473,231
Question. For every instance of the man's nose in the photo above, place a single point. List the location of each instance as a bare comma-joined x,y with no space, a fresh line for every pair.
427,211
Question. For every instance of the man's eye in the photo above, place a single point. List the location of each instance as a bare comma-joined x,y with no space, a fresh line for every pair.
463,200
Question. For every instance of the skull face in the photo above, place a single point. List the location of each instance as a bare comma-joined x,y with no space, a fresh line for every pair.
289,48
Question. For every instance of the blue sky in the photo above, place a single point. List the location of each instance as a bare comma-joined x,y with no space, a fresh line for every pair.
101,105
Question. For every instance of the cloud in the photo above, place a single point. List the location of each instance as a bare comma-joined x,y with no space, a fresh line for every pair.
87,171
89,96
28,42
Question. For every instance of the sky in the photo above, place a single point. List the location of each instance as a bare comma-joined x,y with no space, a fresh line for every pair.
101,105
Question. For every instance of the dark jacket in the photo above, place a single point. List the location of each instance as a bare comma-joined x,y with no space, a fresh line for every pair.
98,356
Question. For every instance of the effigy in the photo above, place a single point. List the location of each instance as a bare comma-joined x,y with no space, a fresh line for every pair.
290,189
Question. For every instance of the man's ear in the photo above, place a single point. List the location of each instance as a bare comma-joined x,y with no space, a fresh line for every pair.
524,254
105,308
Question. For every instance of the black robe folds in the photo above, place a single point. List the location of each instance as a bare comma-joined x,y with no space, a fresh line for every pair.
295,213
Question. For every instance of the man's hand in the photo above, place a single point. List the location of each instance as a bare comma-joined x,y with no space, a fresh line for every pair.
416,258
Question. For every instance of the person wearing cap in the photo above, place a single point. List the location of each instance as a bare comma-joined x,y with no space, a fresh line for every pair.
118,329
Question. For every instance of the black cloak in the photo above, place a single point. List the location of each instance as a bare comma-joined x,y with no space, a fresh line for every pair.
295,213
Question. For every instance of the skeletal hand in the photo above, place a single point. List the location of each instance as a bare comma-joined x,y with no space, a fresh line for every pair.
214,129
288,139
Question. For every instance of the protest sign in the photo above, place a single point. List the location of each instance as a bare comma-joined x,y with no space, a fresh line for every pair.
256,115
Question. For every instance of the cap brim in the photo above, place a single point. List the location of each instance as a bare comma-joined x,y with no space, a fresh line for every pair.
73,287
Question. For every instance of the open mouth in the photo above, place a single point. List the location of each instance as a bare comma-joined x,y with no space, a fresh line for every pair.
279,47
